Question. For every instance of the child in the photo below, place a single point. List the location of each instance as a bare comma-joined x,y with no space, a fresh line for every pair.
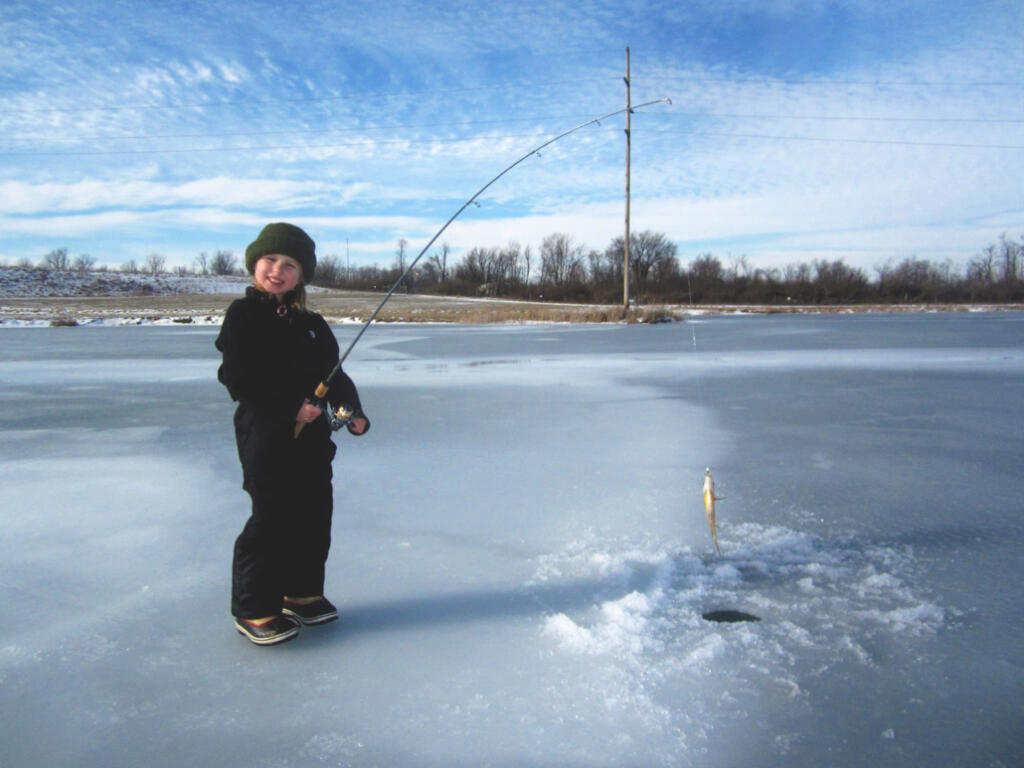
275,352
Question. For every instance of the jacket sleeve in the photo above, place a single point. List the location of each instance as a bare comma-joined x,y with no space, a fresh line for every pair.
343,390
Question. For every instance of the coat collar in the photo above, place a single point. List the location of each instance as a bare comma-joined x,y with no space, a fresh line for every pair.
283,308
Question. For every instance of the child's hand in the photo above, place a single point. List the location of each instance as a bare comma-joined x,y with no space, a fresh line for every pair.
307,413
358,425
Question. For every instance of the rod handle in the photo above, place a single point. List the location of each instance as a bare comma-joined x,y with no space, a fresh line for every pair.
320,393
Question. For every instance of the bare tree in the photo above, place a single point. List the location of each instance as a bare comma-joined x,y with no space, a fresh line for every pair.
400,254
409,284
665,271
648,251
507,269
706,278
329,271
1010,254
84,262
741,269
982,268
912,279
838,282
440,263
474,267
57,259
223,263
606,268
155,263
561,260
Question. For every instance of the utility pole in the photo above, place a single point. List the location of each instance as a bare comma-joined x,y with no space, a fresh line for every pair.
625,249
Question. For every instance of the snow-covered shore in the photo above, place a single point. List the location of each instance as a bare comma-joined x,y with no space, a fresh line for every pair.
37,298
38,282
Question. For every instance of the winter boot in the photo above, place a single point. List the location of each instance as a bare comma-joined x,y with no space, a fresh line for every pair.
320,611
277,630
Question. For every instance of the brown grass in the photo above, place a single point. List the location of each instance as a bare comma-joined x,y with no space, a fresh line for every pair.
339,306
336,306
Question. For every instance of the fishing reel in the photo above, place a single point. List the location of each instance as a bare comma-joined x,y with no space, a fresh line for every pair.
336,418
339,417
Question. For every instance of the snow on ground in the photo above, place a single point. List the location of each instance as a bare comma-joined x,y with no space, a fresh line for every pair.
520,554
38,282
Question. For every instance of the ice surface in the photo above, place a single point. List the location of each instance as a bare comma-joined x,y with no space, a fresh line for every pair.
520,554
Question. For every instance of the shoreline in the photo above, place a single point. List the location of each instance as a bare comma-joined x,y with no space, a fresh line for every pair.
350,307
46,298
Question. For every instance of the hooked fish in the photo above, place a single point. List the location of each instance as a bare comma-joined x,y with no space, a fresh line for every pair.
709,506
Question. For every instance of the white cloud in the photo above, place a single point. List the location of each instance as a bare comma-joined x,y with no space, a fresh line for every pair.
41,199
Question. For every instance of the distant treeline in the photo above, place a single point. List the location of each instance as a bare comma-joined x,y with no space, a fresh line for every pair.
564,270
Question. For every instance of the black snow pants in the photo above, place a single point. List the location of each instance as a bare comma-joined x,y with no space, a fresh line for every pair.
283,547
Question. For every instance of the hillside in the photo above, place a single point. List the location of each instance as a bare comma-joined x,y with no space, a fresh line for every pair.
41,297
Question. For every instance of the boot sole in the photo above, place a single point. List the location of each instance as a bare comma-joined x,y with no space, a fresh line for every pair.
281,637
312,620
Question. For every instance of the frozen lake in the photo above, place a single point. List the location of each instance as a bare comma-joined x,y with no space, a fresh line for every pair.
520,554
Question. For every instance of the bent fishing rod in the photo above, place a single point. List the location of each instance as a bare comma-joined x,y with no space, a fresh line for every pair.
343,415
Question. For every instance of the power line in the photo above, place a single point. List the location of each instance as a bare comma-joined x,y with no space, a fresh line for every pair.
897,142
830,82
852,118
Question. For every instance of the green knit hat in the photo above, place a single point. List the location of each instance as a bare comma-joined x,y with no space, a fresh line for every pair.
288,240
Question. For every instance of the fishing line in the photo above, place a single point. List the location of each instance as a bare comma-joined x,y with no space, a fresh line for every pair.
324,386
708,495
693,329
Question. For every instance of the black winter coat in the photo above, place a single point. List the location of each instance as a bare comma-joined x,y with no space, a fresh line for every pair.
273,358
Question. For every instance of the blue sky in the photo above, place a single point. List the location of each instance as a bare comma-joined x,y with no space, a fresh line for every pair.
866,131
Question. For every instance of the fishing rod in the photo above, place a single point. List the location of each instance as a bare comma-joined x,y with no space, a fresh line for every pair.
344,415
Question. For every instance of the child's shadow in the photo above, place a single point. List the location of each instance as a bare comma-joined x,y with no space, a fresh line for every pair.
472,606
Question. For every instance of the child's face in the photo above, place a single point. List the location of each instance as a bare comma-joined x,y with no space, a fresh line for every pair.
277,274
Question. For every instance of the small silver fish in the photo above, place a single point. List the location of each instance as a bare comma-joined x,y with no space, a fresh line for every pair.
709,506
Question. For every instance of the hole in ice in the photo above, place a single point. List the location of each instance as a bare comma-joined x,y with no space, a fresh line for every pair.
729,616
